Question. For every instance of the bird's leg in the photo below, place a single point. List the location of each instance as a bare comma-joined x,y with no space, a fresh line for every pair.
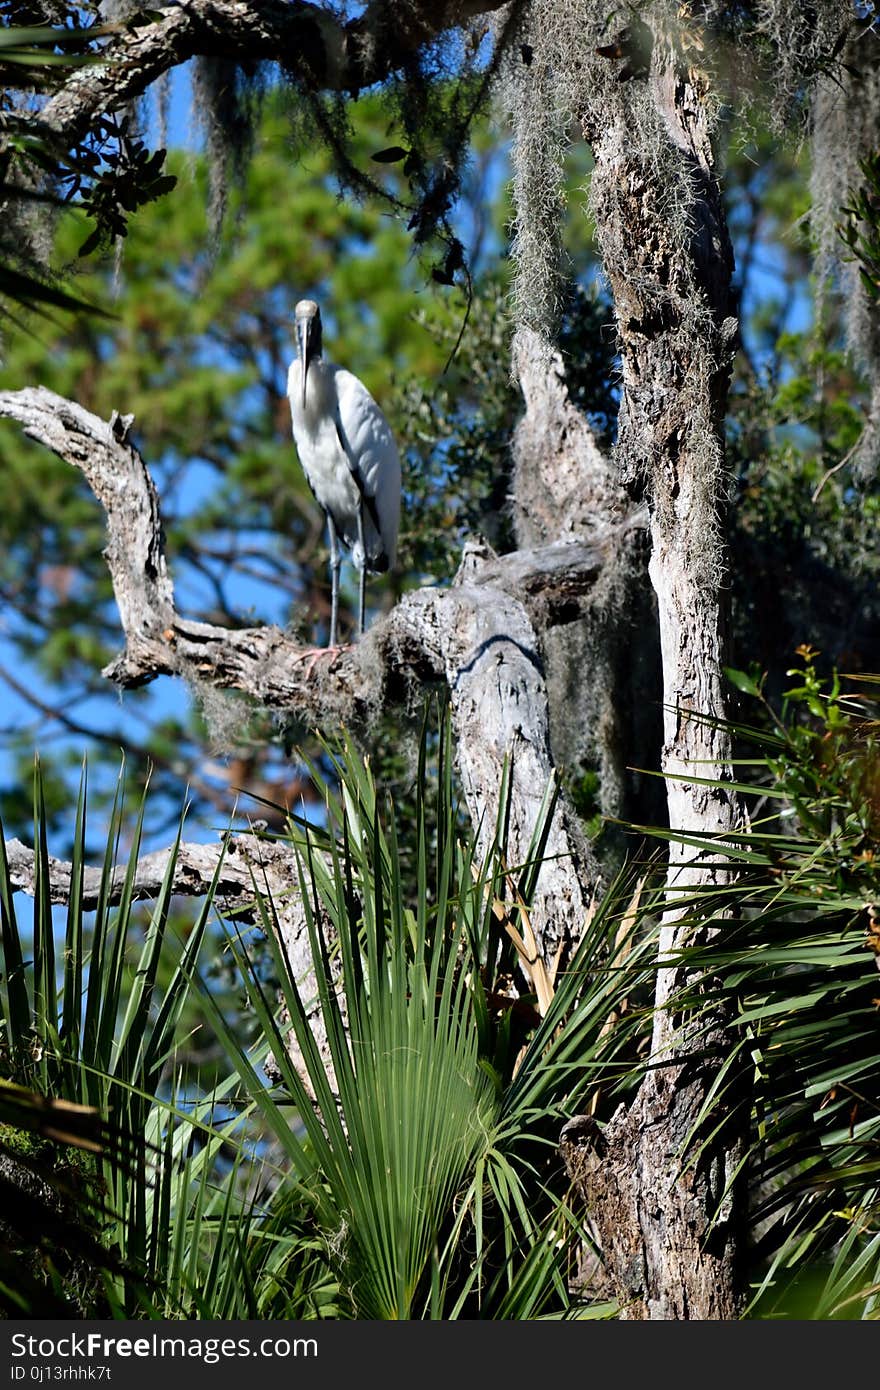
315,654
362,589
335,563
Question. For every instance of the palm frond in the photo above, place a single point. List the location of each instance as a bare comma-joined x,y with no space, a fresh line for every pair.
803,998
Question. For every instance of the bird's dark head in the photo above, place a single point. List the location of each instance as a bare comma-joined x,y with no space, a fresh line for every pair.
307,317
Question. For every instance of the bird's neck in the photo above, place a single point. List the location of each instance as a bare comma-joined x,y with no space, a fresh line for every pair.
318,390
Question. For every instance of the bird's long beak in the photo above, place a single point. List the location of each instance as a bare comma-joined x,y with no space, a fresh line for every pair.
303,330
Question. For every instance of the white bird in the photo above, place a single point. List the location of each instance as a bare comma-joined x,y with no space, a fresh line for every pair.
349,457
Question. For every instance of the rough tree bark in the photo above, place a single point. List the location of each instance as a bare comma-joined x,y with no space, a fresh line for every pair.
565,487
663,1200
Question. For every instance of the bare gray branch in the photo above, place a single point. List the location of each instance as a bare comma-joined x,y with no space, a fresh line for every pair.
236,869
477,637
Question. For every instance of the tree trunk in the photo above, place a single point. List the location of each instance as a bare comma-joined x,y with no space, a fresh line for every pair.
658,1181
565,488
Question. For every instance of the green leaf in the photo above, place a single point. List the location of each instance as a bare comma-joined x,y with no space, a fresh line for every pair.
742,680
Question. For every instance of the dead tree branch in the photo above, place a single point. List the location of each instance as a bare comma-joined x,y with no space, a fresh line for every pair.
234,865
311,41
479,638
254,878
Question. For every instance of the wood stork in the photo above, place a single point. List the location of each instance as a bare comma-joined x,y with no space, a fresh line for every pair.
349,457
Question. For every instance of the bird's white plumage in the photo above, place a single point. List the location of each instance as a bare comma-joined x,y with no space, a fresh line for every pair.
341,437
349,457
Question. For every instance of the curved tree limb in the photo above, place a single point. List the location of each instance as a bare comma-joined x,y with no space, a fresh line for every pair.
479,637
311,41
195,868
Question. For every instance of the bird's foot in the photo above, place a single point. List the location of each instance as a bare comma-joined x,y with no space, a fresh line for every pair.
315,654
